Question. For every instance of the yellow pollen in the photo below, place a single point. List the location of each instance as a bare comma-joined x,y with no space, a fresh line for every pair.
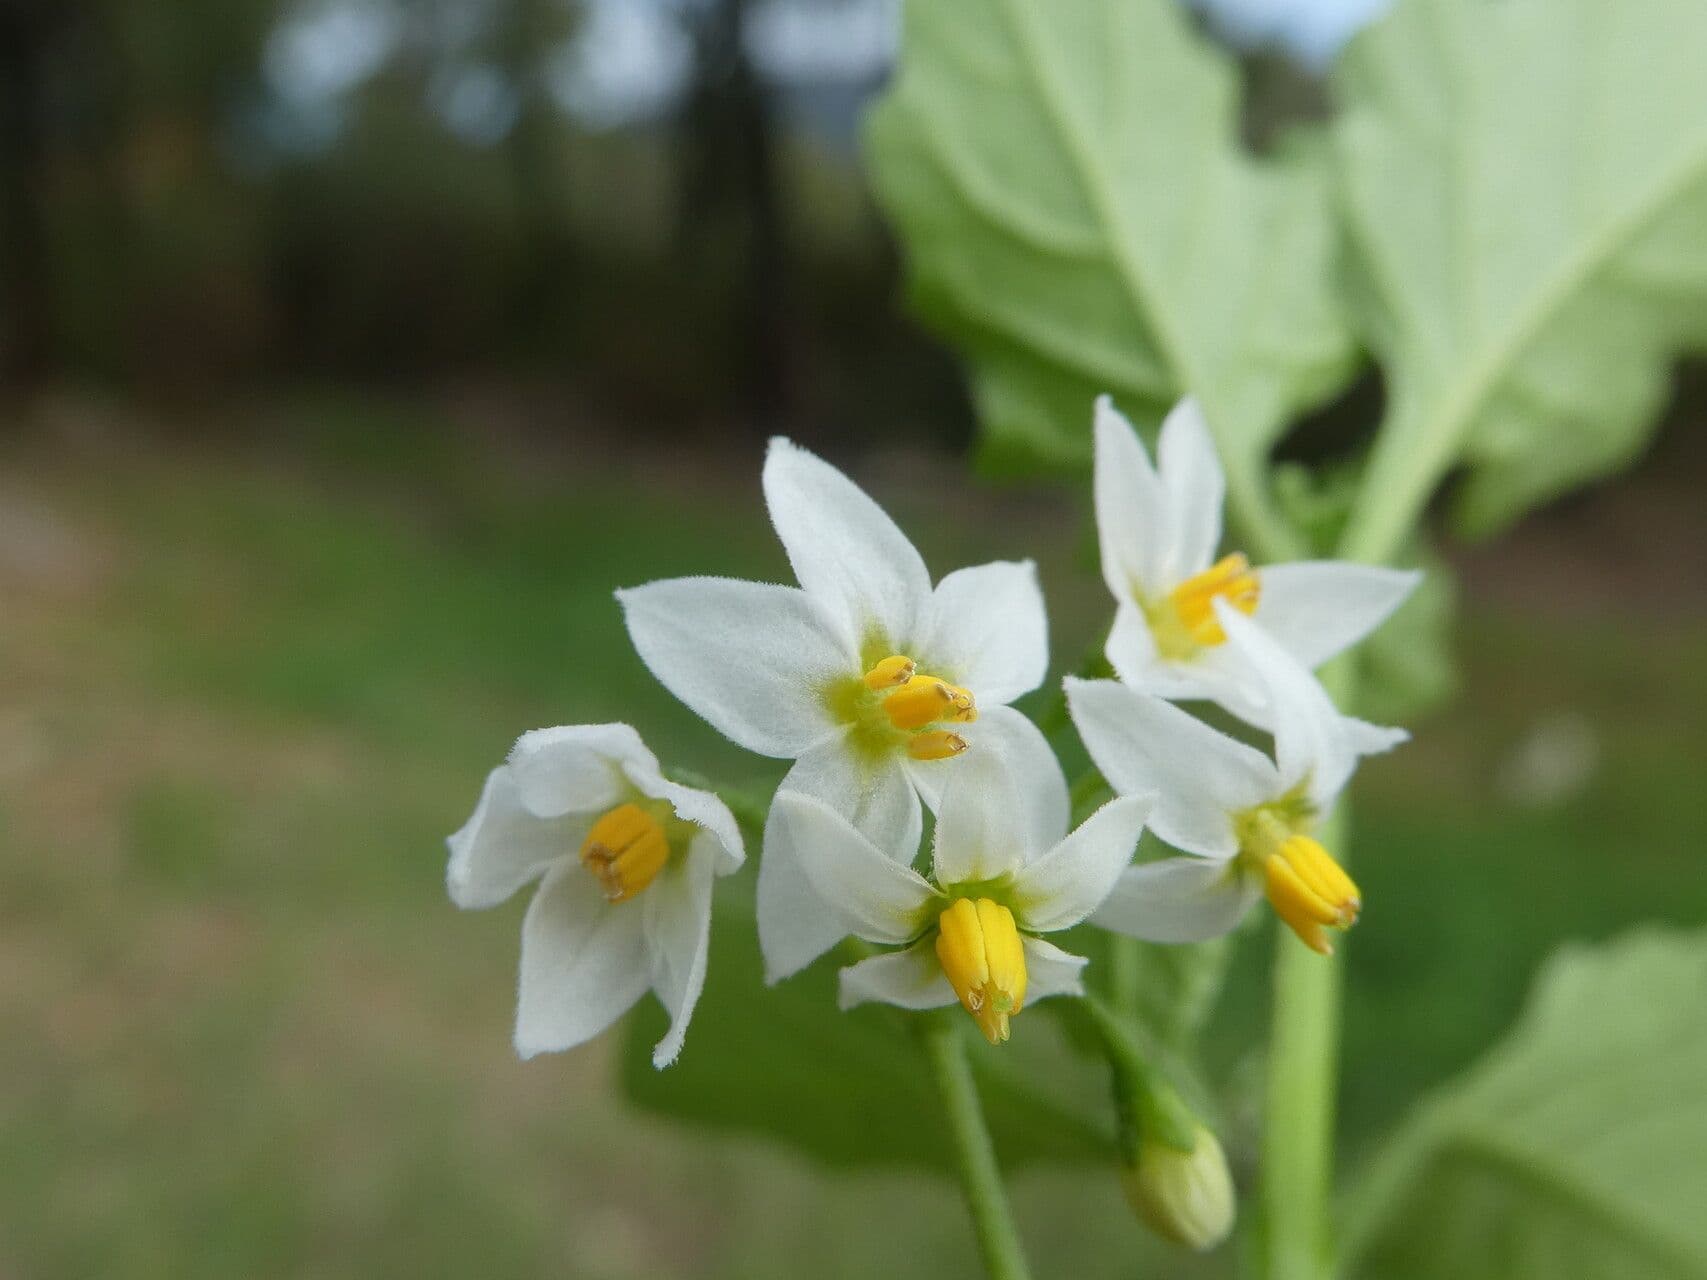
1310,891
1231,579
938,744
625,851
979,948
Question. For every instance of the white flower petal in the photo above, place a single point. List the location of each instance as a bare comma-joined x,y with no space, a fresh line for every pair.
1066,884
1178,900
576,768
1213,674
583,962
702,808
1020,745
753,659
796,926
1197,776
1317,608
911,978
1131,509
998,812
987,630
886,900
1195,487
678,937
845,549
503,846
1050,971
1312,740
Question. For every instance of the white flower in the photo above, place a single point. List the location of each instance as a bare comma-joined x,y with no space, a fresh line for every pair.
1246,818
868,678
625,858
1159,527
1004,869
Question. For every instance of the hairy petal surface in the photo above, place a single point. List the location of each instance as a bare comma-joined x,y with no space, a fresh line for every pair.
846,551
1178,900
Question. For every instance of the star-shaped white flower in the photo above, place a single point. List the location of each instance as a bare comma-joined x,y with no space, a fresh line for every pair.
625,860
1246,819
873,682
1159,528
1004,869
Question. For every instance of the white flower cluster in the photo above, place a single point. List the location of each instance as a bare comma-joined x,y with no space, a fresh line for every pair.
891,696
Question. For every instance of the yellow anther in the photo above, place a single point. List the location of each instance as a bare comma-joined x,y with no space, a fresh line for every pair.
625,851
922,700
926,700
1231,579
982,955
894,670
1310,891
938,744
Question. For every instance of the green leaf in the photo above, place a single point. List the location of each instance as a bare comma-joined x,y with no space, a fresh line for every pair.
854,1088
1079,217
1575,1148
1526,193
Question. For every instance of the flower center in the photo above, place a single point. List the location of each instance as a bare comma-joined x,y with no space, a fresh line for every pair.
979,948
916,704
1185,620
1310,891
625,851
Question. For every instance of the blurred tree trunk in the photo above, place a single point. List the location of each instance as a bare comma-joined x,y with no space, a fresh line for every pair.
545,285
730,186
27,348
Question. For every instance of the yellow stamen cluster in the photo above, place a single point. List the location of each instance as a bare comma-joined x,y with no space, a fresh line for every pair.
980,950
914,702
1310,891
625,851
1231,579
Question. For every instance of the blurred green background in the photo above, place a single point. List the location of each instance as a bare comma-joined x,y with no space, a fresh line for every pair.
327,426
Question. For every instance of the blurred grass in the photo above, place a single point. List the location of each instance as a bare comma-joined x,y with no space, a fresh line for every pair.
245,696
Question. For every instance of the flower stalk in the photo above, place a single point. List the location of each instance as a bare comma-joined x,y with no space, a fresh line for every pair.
1303,1077
975,1153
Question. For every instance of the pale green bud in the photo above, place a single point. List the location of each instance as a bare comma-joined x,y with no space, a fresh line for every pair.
1185,1196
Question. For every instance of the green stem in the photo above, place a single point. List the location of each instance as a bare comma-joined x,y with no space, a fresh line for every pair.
1303,1075
980,1176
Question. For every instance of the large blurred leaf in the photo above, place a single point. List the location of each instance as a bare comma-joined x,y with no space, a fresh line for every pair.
1526,188
1079,217
854,1088
1574,1150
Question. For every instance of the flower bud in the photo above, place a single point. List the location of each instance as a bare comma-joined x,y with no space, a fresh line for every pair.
1185,1196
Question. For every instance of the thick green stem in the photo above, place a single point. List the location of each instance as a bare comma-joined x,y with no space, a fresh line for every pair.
980,1176
1303,1077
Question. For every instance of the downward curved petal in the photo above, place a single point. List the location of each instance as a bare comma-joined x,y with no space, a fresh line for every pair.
846,551
704,809
583,963
575,768
678,938
886,900
753,659
910,978
796,926
1050,971
1197,776
502,846
1066,884
1006,734
1178,900
986,629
